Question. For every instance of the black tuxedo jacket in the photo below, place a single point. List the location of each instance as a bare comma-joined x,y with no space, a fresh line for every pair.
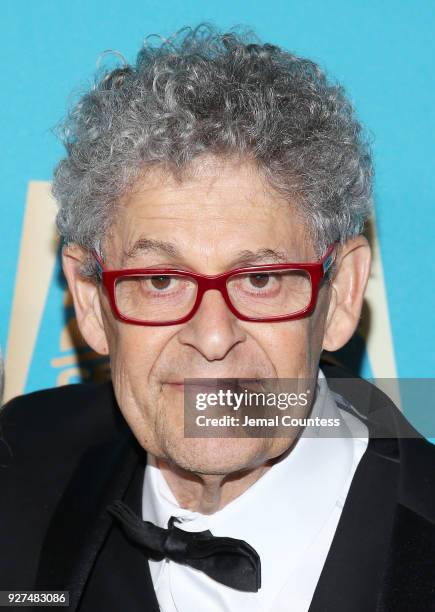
66,453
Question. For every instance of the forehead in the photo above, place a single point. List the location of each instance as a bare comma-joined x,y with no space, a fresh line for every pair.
218,208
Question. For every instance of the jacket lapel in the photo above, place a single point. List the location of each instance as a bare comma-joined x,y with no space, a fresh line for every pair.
80,523
381,558
352,576
121,572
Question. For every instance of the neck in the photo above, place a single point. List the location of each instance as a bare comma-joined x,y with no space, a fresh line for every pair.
208,493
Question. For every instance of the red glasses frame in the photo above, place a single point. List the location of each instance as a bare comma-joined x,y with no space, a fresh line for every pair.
316,272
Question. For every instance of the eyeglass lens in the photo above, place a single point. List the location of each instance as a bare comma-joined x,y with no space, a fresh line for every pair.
160,298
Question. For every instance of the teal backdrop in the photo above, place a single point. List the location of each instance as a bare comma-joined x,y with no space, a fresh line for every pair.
383,53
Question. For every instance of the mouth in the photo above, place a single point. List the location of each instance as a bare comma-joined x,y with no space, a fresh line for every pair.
212,384
180,384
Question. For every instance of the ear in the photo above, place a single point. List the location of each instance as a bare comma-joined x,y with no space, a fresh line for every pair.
86,296
347,292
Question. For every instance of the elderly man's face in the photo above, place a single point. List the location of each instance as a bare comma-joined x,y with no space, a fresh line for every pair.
215,214
211,217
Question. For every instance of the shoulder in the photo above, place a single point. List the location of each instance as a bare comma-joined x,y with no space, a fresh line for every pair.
416,454
62,419
44,436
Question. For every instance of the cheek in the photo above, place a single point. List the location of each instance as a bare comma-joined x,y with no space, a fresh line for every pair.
133,353
290,348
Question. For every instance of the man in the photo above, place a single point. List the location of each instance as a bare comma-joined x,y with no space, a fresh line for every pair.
212,202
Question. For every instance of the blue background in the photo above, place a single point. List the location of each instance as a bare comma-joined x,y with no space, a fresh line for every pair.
383,53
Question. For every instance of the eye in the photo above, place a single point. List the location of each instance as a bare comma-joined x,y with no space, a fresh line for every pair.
259,280
160,282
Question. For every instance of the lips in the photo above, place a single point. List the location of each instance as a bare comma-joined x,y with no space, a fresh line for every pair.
215,384
198,383
204,382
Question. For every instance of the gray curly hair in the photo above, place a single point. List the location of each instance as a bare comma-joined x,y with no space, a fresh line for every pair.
225,94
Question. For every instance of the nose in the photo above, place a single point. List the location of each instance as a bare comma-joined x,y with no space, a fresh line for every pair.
213,330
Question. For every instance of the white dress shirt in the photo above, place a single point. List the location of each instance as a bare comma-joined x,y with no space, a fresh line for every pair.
289,515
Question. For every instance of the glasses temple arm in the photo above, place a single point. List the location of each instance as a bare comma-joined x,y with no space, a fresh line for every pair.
328,259
99,264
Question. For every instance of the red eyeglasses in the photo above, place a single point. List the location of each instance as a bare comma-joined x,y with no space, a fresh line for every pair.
167,296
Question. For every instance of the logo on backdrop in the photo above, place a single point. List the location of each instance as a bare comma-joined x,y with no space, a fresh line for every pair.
71,359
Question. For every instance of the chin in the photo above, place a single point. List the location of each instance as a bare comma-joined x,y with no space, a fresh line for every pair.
215,456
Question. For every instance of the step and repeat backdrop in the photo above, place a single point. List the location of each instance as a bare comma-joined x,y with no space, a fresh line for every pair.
383,53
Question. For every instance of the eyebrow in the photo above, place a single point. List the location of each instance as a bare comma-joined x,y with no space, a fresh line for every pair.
149,245
243,258
247,257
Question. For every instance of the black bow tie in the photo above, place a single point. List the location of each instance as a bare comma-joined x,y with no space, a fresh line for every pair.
227,560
